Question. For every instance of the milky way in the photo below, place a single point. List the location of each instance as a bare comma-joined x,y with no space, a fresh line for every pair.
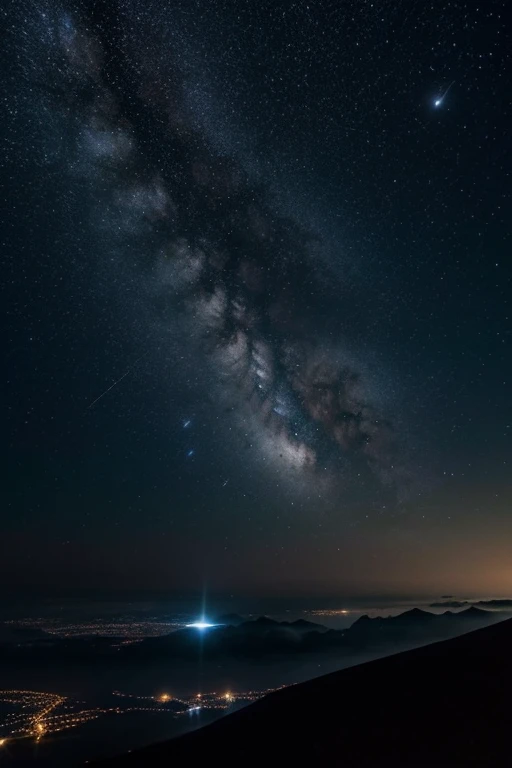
213,256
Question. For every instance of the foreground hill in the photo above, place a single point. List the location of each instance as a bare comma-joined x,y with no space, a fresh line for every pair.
443,705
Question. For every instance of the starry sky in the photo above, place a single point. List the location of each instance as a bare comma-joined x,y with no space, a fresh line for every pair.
257,296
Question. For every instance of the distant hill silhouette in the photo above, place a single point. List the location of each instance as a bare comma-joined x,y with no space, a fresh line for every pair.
503,604
265,636
473,613
445,705
229,619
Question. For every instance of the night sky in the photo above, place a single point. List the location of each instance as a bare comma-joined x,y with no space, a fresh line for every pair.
257,294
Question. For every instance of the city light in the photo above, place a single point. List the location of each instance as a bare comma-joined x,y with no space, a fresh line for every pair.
34,714
127,629
330,612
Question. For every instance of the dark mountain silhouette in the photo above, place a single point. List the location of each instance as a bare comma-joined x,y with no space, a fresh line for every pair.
258,638
414,627
414,615
262,623
473,613
301,625
265,636
500,604
230,619
362,621
449,604
443,705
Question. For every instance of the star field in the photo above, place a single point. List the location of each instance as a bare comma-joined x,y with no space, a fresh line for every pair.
257,291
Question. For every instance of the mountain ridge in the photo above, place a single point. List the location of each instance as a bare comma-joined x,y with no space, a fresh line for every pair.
260,637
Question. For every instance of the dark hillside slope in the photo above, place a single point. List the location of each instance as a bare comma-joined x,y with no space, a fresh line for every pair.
446,704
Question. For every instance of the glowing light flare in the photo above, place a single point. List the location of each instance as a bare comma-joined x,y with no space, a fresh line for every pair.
201,625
